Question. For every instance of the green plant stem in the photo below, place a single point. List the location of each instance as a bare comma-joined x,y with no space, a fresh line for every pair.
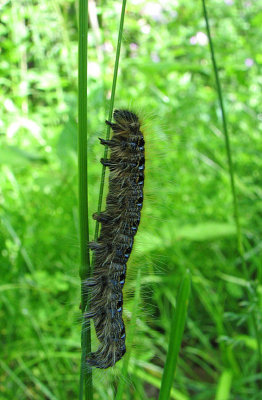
110,113
226,135
232,180
84,269
176,334
131,334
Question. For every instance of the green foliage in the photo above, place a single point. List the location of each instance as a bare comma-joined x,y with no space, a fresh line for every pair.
187,222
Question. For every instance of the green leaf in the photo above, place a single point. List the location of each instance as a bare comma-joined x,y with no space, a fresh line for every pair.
176,334
224,385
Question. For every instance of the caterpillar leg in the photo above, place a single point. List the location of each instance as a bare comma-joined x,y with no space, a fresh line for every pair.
102,217
111,124
110,143
106,163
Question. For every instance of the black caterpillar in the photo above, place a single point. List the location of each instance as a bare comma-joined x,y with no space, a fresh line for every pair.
119,224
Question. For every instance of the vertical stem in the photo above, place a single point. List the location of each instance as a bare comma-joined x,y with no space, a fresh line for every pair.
84,268
124,372
232,181
110,113
226,135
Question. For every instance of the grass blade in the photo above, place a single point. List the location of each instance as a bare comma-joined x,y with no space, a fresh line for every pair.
110,113
224,385
226,134
84,269
176,334
123,380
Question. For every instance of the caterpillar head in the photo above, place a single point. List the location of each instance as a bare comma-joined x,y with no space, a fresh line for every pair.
127,120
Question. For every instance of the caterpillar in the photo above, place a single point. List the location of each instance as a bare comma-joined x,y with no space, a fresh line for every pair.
119,224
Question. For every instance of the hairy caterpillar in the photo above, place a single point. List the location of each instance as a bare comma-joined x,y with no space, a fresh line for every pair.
119,224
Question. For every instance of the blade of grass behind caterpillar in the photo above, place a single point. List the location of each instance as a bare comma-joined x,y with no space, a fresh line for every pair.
122,382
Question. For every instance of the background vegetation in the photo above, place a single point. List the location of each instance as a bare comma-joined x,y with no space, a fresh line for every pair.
166,74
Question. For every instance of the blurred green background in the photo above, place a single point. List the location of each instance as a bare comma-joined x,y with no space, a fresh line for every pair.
187,221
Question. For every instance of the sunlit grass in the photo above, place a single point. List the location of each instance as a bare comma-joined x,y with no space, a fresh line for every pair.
176,333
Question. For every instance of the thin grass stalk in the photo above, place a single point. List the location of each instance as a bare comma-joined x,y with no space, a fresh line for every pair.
226,135
175,339
110,113
232,180
122,383
85,389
